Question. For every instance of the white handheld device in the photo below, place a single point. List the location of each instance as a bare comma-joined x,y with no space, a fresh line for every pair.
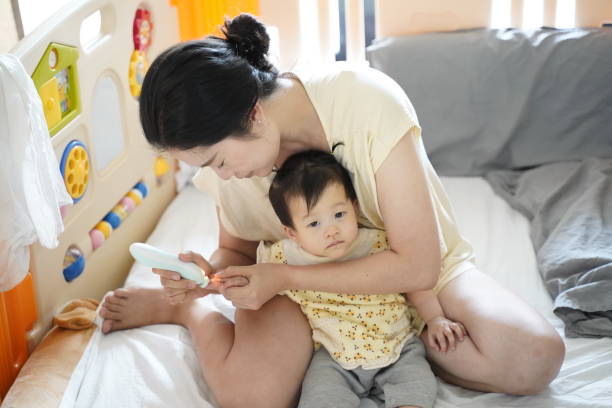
156,258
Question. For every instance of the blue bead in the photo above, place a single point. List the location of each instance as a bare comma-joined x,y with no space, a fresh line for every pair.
113,219
74,269
142,188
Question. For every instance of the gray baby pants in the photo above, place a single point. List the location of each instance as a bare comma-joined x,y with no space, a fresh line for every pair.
408,381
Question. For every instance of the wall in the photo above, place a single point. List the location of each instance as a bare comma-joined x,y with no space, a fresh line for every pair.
8,39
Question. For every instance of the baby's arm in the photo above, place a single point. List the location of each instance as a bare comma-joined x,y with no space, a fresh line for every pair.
442,333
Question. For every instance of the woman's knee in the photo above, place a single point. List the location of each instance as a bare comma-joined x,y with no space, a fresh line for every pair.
532,371
266,389
265,367
257,397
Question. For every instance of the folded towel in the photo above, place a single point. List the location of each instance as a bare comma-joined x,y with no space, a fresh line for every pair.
78,314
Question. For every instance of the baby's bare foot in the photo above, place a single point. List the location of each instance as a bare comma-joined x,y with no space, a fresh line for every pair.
135,307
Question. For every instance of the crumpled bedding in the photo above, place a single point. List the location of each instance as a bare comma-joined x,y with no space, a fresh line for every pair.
569,205
156,366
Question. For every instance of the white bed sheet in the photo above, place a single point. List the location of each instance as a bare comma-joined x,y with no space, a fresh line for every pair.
156,366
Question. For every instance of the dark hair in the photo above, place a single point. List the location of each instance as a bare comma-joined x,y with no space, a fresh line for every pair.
198,93
307,174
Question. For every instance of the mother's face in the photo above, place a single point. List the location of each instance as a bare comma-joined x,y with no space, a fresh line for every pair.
240,157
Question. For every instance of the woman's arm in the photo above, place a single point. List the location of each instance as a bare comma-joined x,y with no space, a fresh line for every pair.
412,263
232,250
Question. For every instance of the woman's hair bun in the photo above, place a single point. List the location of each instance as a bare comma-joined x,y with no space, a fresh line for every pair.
249,39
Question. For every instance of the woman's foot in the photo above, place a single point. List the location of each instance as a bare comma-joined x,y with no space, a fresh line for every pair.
135,307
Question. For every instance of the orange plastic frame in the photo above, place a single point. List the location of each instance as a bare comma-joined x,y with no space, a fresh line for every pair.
17,315
198,18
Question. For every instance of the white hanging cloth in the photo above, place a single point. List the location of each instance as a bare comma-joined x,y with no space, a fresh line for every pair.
31,185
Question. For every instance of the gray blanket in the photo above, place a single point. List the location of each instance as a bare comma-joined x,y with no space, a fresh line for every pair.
569,205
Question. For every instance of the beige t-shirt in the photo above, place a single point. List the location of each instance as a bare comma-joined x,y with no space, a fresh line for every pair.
368,113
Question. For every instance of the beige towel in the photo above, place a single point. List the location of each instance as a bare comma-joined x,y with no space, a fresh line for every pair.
78,314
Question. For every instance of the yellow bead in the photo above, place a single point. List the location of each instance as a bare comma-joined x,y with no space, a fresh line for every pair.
136,196
105,228
120,211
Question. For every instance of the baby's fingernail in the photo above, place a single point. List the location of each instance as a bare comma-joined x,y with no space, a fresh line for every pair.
176,277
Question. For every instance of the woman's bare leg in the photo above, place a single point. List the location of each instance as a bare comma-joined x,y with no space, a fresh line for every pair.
258,362
511,348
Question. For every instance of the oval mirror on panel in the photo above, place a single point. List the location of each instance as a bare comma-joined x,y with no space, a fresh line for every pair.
106,123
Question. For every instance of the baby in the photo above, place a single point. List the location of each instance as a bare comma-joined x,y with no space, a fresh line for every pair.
371,352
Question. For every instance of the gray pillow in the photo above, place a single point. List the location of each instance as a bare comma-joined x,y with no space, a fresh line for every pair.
493,99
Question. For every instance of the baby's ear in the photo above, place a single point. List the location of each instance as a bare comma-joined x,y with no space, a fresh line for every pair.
290,232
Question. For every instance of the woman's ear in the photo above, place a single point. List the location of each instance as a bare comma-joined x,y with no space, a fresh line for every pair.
290,232
257,114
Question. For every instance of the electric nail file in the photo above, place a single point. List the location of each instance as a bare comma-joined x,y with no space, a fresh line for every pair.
156,258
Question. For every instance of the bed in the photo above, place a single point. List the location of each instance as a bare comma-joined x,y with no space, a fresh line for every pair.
157,365
487,148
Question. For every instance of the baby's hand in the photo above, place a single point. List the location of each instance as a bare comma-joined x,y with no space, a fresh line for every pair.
443,333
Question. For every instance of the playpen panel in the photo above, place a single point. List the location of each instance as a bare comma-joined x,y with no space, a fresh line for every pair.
88,61
107,165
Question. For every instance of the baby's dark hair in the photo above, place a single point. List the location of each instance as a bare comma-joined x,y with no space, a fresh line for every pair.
307,174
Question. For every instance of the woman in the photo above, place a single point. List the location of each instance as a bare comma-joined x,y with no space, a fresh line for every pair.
219,104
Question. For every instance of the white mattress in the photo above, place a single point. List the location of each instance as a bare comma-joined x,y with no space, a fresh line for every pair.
156,366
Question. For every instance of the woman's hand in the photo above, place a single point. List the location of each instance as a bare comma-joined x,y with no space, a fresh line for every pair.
442,334
180,290
265,280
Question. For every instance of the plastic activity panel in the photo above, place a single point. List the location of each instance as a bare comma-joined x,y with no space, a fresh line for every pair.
56,79
74,166
142,35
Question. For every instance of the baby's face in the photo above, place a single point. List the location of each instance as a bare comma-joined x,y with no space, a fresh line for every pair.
329,228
